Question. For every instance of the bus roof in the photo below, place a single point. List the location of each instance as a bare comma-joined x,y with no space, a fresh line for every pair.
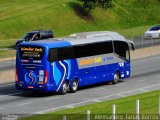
79,38
50,43
91,37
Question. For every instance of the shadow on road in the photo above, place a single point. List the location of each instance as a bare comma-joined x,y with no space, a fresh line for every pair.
11,91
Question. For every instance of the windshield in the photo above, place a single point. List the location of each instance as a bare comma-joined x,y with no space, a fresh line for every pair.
31,52
155,28
28,36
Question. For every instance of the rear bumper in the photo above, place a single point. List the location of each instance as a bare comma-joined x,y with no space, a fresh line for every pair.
43,88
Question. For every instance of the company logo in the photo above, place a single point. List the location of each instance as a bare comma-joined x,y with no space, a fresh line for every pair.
30,77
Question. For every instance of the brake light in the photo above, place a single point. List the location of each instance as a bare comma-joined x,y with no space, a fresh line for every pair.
46,77
16,76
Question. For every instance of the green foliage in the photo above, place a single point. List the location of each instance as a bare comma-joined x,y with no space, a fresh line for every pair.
91,4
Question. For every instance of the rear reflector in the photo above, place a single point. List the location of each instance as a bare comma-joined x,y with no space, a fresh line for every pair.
30,87
46,77
16,75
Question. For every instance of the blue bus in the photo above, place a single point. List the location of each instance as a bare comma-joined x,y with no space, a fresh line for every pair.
64,64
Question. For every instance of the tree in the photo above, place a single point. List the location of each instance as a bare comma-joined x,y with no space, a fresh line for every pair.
91,4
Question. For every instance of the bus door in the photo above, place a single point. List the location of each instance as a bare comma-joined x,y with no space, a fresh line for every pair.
127,64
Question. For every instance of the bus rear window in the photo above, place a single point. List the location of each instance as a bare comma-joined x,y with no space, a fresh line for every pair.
31,52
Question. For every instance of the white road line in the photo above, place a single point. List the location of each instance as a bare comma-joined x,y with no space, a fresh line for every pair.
96,100
52,98
141,80
1,108
120,84
55,108
27,103
7,85
11,94
101,88
65,106
129,91
121,95
70,106
76,93
144,90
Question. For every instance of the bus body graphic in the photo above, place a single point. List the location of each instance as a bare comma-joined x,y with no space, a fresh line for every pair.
87,58
30,77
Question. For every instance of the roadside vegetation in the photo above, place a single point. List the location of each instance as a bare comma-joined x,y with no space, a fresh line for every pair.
67,16
127,105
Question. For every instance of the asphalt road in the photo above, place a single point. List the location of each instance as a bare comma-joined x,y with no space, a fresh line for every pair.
139,43
145,77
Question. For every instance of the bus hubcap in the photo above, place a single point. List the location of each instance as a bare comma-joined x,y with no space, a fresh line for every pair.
74,85
65,87
116,77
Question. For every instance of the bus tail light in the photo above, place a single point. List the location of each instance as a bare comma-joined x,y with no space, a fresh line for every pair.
46,77
16,77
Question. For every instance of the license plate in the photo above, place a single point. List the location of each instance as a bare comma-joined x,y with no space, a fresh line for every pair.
30,87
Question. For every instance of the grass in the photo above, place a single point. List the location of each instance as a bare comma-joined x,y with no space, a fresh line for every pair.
148,105
66,16
7,53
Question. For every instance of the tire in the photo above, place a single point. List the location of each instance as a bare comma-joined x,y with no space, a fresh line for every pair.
65,87
74,86
116,78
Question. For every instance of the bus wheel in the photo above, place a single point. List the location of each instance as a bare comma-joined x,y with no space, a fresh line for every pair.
64,88
116,78
74,86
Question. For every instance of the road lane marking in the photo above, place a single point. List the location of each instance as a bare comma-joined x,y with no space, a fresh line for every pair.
76,93
101,88
120,84
144,90
60,107
11,94
70,106
94,99
27,103
141,80
7,85
1,108
121,95
52,98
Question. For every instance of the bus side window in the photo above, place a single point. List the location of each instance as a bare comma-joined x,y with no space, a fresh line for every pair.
92,49
127,55
65,53
52,56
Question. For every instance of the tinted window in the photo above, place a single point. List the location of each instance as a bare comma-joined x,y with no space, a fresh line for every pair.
52,55
155,28
121,49
65,53
28,36
31,53
93,49
78,51
56,54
